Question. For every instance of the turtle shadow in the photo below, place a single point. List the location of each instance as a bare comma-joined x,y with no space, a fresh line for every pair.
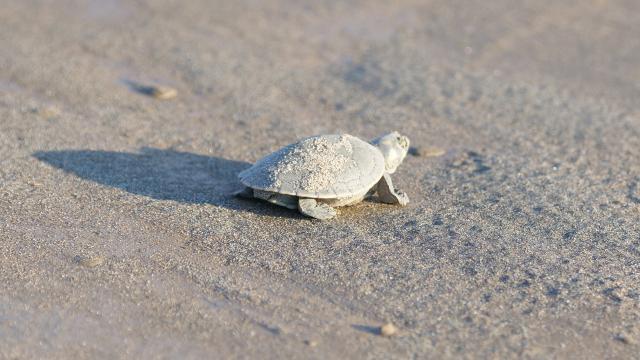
164,175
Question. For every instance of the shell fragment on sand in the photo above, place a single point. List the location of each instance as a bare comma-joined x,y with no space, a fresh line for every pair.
425,151
156,91
163,92
388,330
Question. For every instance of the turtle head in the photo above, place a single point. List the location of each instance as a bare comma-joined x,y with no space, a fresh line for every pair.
394,148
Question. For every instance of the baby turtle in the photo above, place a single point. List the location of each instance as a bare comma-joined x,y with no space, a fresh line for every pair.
318,173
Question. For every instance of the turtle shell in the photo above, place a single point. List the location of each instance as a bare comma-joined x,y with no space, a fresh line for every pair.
322,167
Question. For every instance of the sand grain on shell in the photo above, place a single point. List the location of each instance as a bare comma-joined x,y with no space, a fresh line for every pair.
313,163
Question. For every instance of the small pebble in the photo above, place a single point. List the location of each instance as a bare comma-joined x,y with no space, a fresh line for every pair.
162,92
89,261
622,338
388,329
45,111
311,343
425,152
49,111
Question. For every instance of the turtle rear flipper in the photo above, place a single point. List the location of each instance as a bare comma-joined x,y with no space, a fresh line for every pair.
314,209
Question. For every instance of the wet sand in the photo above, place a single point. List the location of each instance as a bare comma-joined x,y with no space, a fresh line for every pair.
119,237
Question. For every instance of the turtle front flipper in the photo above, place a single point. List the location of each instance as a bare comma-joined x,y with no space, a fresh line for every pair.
314,209
388,194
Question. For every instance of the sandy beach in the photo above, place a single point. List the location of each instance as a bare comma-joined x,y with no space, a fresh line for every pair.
120,237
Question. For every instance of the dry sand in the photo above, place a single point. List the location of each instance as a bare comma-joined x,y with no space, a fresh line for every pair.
522,240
